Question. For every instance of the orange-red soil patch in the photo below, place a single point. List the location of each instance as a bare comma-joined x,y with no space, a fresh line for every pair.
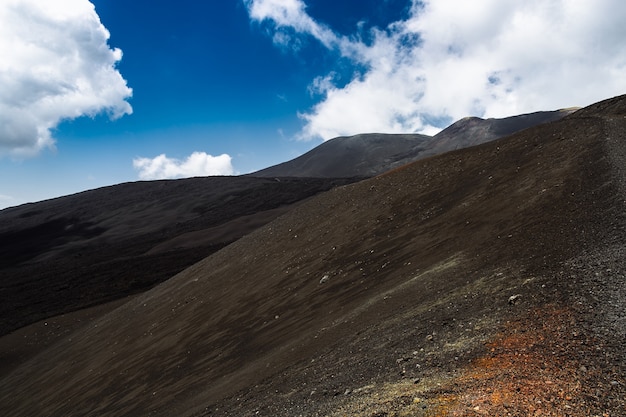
544,364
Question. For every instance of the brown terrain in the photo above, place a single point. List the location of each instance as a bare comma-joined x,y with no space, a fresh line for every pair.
370,154
101,245
483,281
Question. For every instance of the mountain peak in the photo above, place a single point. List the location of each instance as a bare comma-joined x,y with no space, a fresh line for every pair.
370,154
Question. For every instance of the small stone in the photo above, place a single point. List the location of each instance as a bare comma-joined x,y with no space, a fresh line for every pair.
416,380
514,299
348,392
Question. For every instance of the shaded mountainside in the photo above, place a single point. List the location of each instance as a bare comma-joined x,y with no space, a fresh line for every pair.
367,155
81,250
472,131
362,155
487,280
102,245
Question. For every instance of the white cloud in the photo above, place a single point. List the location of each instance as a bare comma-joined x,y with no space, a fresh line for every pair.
289,14
198,164
449,59
55,64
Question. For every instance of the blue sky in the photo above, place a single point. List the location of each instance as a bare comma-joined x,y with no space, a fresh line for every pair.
108,91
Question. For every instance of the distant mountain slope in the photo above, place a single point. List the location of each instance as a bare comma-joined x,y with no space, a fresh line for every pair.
367,155
483,281
80,250
362,155
472,131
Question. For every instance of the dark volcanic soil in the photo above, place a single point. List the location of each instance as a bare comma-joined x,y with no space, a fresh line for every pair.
370,154
101,245
485,281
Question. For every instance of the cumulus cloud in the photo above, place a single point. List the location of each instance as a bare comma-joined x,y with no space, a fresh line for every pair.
55,65
198,164
448,59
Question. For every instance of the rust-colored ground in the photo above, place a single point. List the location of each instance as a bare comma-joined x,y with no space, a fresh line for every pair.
542,364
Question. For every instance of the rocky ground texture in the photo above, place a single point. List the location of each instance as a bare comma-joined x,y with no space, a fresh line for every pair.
484,281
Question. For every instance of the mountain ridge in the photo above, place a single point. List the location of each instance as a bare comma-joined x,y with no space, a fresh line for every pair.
367,155
462,282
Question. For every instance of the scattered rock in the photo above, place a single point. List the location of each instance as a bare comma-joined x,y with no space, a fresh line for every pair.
324,279
514,299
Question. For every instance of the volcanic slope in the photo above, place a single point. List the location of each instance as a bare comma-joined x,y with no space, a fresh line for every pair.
370,154
485,281
101,245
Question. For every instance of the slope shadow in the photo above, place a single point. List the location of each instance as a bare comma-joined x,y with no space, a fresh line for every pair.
93,247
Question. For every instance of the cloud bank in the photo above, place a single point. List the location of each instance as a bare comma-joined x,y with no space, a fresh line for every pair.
55,65
198,164
449,59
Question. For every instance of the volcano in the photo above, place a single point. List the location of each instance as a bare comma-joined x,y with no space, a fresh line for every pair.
487,280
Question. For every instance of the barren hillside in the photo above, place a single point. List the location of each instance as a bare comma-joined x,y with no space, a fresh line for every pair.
484,281
370,154
101,245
